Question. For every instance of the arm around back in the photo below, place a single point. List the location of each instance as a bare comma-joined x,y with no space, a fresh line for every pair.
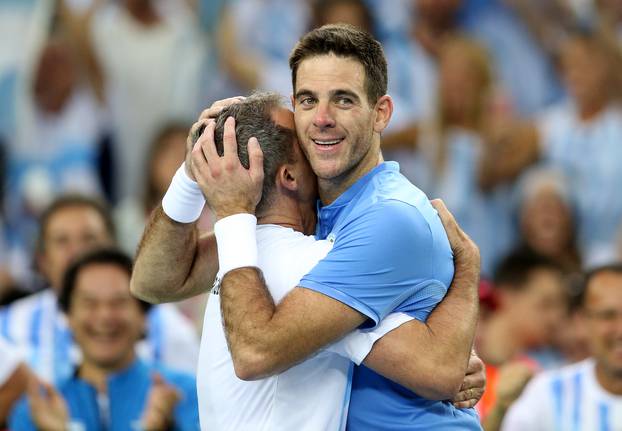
174,261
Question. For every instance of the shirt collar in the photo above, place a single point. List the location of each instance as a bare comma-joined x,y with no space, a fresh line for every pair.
346,197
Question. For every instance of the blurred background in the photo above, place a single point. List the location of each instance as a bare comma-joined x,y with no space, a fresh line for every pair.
508,110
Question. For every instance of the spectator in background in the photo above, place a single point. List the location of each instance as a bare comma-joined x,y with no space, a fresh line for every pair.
254,41
530,300
166,154
522,37
59,131
449,147
580,137
413,65
70,226
14,375
586,395
150,63
546,218
111,388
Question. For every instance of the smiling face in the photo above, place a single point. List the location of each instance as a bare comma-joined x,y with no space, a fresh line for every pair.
338,128
69,232
105,319
603,311
538,307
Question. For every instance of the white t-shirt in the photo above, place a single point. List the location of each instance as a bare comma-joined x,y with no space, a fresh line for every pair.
313,395
566,399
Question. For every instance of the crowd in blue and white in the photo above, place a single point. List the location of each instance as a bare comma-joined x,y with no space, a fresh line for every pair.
508,110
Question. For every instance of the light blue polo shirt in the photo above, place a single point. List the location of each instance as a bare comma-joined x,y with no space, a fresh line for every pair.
390,253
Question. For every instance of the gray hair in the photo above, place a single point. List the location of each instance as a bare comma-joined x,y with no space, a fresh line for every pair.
253,118
538,178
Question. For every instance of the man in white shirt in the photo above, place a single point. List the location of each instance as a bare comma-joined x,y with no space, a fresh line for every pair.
70,226
586,395
310,395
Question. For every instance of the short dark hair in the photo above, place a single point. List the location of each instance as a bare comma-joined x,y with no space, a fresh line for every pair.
615,268
107,256
347,41
514,271
253,118
69,201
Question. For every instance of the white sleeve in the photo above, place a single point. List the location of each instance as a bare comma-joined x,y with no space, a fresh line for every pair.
357,344
531,410
10,358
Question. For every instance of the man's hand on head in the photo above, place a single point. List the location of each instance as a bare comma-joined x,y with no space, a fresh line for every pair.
207,115
218,106
227,185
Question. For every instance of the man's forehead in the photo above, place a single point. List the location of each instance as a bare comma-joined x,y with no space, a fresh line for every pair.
330,71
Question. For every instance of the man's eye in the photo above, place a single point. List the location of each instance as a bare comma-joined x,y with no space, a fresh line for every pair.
307,101
344,101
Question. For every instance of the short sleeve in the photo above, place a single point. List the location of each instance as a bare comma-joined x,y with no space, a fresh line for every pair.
383,261
357,344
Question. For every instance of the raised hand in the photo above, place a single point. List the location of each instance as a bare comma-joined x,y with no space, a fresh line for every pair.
158,412
227,185
197,129
48,407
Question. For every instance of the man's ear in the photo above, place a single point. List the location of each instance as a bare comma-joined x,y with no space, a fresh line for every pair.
286,178
384,110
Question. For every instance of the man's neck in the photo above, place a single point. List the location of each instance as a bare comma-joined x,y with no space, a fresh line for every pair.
287,212
609,381
331,189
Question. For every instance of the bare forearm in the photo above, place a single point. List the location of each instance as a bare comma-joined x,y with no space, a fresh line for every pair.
172,261
265,339
80,29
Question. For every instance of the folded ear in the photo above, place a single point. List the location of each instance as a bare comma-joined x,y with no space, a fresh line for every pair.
286,178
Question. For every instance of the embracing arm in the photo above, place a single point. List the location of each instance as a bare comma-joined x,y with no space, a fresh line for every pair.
174,260
431,358
265,339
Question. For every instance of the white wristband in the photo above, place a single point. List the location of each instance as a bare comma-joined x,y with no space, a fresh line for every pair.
237,242
183,201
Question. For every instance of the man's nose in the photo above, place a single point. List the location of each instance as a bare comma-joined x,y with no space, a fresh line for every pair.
323,116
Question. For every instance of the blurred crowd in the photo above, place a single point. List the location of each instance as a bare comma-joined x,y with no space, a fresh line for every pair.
508,110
